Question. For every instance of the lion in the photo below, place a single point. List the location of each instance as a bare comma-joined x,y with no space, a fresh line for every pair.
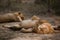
34,17
36,25
30,22
25,24
44,27
11,17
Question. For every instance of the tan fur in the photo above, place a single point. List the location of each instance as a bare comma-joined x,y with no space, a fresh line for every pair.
28,23
16,25
34,17
11,17
28,30
37,25
44,27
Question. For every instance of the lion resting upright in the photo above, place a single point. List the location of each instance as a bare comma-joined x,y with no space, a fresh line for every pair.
16,16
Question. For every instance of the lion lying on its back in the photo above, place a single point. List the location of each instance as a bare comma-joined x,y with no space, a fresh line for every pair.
39,26
35,24
44,27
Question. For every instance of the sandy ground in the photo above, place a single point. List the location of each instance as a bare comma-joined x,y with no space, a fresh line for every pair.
28,10
8,34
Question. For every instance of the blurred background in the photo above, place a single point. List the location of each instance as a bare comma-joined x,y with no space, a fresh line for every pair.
45,9
31,7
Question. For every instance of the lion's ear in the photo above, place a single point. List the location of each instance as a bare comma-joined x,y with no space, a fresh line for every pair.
19,13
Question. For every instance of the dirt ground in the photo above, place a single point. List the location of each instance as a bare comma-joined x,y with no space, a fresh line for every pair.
8,34
29,10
